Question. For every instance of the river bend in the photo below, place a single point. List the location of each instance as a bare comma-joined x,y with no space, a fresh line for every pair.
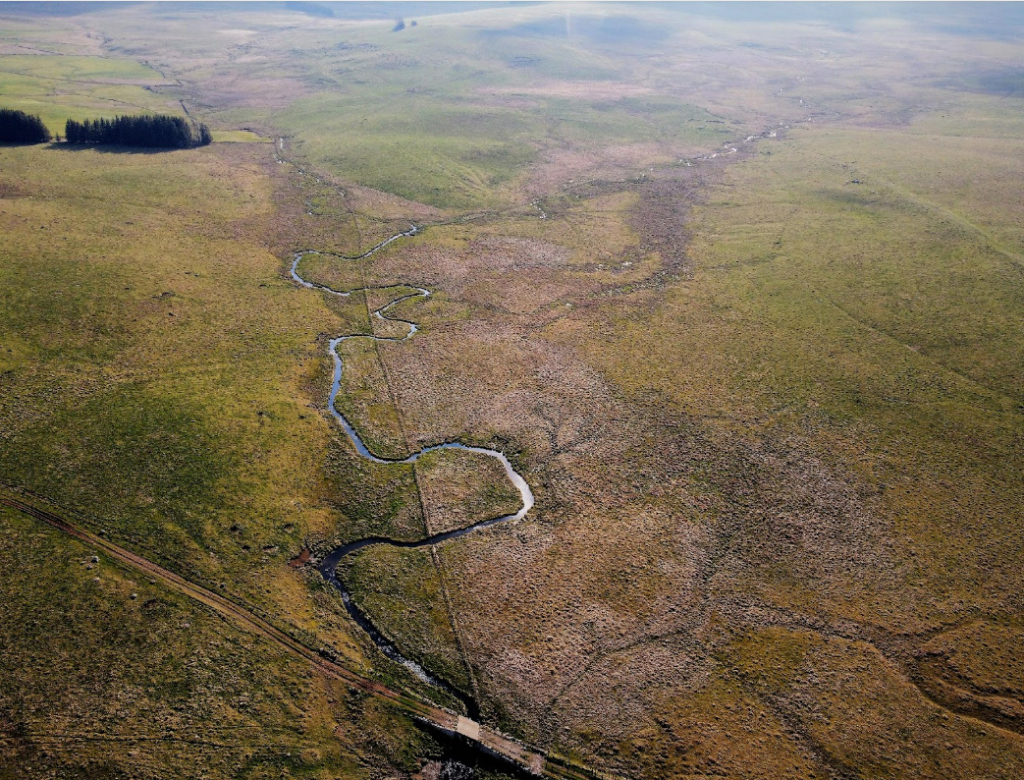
328,566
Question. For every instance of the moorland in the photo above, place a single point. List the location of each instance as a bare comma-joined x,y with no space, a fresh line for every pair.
737,291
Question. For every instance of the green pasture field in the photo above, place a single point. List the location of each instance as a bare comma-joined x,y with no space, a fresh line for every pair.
239,137
152,361
149,680
59,88
454,153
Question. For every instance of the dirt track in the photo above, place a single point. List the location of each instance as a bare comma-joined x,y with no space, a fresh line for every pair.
531,760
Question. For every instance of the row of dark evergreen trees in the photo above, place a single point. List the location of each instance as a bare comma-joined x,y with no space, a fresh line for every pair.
159,131
17,127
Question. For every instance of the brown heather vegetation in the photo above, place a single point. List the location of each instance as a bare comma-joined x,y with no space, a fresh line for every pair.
784,545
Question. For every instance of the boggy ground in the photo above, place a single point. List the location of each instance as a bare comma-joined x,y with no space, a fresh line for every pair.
713,577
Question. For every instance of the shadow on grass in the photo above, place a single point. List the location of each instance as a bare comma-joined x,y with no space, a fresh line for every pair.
64,146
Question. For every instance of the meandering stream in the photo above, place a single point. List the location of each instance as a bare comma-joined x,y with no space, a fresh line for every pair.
328,567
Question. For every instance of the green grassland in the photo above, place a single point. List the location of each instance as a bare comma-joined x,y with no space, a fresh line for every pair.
769,404
452,151
436,115
403,592
367,402
882,329
109,675
59,88
859,291
146,389
114,279
239,137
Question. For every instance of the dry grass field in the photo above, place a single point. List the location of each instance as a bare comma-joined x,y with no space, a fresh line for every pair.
738,292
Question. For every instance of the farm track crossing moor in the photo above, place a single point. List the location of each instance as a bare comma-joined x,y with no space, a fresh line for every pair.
534,761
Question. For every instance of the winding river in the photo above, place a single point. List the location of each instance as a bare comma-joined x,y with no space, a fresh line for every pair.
328,567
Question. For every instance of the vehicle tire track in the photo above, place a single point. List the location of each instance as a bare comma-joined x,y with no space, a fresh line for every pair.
322,658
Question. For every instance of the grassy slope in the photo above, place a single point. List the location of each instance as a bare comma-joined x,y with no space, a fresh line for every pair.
443,113
107,675
59,88
858,313
152,360
135,355
876,328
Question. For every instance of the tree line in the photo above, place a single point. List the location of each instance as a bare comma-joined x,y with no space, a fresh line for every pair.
17,127
157,131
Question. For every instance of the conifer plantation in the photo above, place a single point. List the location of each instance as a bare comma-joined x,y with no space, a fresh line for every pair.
159,131
17,127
